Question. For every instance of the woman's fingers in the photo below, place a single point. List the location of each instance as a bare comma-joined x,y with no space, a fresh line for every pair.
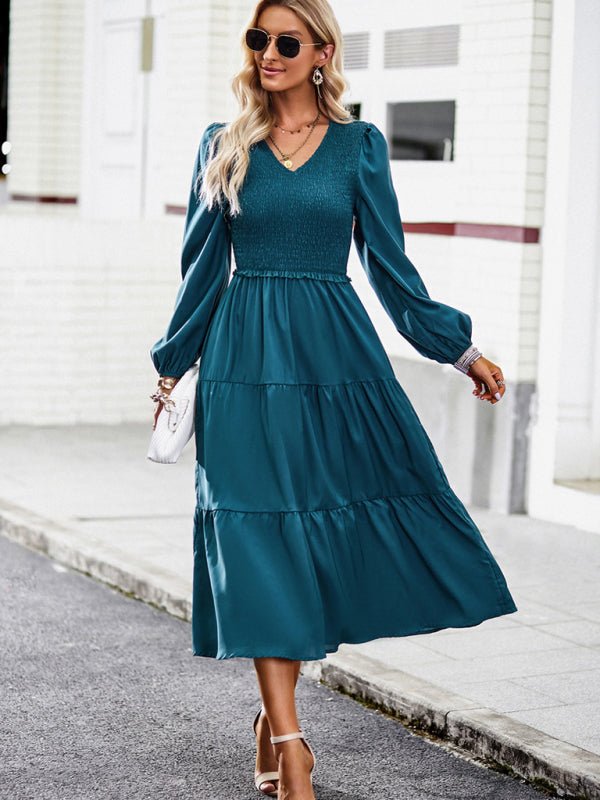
497,389
159,408
156,414
478,387
485,375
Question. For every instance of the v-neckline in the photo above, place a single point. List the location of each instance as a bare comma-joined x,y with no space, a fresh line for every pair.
306,163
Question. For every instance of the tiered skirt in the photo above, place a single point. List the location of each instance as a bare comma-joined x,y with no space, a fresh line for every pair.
323,513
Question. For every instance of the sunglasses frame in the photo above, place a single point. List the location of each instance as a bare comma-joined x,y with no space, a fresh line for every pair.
272,36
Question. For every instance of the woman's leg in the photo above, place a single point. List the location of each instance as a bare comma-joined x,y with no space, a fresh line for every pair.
277,679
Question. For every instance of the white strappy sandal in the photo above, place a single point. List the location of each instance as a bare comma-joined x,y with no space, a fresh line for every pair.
264,777
297,735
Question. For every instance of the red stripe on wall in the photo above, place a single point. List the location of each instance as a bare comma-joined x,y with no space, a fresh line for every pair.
506,233
41,198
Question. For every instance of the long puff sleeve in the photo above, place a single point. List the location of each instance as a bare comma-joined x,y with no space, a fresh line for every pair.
435,330
205,269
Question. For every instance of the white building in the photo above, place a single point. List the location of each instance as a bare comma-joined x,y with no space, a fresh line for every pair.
106,102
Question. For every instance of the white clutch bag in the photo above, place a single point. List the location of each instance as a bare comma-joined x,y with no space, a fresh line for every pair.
175,423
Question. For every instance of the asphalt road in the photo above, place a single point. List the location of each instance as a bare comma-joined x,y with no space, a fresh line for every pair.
100,697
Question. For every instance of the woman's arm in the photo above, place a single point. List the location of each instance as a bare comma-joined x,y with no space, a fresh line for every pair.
205,269
436,330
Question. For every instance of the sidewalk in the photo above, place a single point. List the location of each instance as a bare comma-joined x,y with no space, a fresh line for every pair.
522,690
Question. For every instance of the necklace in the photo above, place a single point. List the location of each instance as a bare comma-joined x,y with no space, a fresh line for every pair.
287,157
308,124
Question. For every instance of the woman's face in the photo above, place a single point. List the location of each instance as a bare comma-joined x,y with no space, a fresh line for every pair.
290,71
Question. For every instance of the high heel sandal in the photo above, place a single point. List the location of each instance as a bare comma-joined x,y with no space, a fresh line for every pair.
297,735
264,777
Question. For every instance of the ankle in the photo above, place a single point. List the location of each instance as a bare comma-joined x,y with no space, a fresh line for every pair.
291,750
289,746
291,736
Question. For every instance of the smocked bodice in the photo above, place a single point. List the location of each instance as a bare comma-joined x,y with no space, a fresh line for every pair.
299,220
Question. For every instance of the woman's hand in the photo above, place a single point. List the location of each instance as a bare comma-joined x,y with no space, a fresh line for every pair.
159,404
488,378
157,410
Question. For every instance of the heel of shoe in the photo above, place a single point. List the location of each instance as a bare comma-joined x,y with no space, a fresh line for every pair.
264,777
256,718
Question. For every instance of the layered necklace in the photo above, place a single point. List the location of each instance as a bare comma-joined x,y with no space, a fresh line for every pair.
286,158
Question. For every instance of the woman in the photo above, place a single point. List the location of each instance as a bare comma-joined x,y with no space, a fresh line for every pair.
323,513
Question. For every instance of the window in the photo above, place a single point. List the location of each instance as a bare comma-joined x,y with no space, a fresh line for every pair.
354,109
422,130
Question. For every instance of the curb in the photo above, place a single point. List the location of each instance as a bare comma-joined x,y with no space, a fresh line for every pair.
546,762
89,555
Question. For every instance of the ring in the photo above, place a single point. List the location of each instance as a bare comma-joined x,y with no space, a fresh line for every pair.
500,383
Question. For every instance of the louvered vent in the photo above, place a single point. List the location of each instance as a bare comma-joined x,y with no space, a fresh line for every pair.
421,47
356,50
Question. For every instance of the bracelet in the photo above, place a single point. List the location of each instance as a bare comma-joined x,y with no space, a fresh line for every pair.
470,355
166,382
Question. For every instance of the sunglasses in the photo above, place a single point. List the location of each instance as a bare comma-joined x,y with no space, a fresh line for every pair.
288,46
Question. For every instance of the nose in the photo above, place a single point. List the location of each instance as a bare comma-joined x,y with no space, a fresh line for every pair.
270,50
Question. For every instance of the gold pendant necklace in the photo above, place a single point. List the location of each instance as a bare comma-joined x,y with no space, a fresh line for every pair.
286,158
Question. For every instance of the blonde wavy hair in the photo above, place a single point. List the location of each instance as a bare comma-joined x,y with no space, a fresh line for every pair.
228,155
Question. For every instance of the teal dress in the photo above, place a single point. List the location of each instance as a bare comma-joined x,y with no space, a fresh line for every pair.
323,514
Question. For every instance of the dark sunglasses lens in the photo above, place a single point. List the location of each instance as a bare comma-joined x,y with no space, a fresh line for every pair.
288,46
256,39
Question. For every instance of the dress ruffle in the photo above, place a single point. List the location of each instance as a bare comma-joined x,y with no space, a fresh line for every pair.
288,273
298,584
304,447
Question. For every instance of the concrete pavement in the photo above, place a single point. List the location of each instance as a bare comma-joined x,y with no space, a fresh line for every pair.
521,691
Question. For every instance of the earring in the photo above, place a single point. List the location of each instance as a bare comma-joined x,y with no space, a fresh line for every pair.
317,79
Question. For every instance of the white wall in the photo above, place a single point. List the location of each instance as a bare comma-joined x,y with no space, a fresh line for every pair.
565,440
44,96
578,430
